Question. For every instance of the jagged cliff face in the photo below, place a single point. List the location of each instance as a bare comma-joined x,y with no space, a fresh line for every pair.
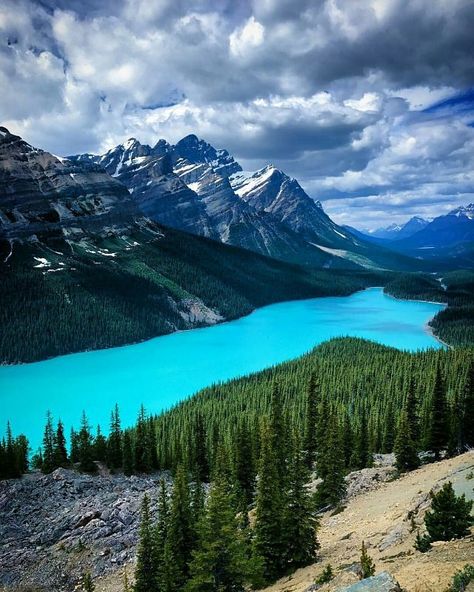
41,193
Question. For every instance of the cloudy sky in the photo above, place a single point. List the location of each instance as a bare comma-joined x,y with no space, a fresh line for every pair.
368,103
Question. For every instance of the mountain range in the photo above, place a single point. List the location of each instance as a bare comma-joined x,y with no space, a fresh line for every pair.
196,188
83,268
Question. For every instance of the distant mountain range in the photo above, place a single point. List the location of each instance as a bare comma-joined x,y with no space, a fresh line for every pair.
446,237
194,187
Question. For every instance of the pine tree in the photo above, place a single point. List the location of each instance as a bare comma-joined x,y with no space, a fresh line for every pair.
127,454
200,449
406,457
367,567
86,457
244,469
142,448
467,426
438,428
278,433
219,562
347,440
11,460
114,443
300,522
100,446
330,467
60,451
145,574
388,439
153,443
48,445
311,422
362,452
74,451
22,449
160,533
179,543
269,544
450,515
411,408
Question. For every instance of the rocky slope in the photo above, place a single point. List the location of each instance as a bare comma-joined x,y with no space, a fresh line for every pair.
55,527
41,193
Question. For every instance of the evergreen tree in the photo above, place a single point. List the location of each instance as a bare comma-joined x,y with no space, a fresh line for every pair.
74,452
22,448
48,445
179,542
200,449
438,428
300,522
450,515
86,456
160,533
311,422
100,446
244,470
60,451
467,426
269,544
153,443
388,439
127,454
411,408
114,443
362,457
142,449
278,433
145,574
330,467
219,562
347,440
367,567
406,456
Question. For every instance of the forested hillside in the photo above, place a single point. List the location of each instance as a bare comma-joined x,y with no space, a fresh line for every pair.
63,296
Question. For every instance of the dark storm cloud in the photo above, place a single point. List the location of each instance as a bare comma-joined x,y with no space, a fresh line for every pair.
367,103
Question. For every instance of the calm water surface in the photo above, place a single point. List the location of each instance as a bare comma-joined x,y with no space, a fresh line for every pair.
161,371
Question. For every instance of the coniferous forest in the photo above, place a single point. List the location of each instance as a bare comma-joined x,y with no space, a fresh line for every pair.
257,441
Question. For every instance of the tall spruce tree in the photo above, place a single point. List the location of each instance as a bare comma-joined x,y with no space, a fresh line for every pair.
142,448
100,446
467,417
244,470
114,443
128,464
180,539
59,445
278,433
406,456
160,533
219,562
311,422
438,417
201,463
48,445
269,543
86,450
330,467
449,516
145,572
300,524
411,408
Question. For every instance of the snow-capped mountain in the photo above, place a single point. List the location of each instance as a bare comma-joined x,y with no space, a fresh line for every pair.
443,232
197,188
398,231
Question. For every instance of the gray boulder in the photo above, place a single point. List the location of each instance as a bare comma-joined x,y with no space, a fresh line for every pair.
382,582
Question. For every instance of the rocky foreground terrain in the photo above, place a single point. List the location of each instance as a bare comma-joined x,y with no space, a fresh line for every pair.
55,527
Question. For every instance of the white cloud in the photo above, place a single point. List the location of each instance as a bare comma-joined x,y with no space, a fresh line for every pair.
248,37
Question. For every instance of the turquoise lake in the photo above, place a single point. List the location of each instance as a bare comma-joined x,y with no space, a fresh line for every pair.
164,370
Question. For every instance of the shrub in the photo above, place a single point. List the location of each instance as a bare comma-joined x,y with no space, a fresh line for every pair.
326,576
422,543
462,578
